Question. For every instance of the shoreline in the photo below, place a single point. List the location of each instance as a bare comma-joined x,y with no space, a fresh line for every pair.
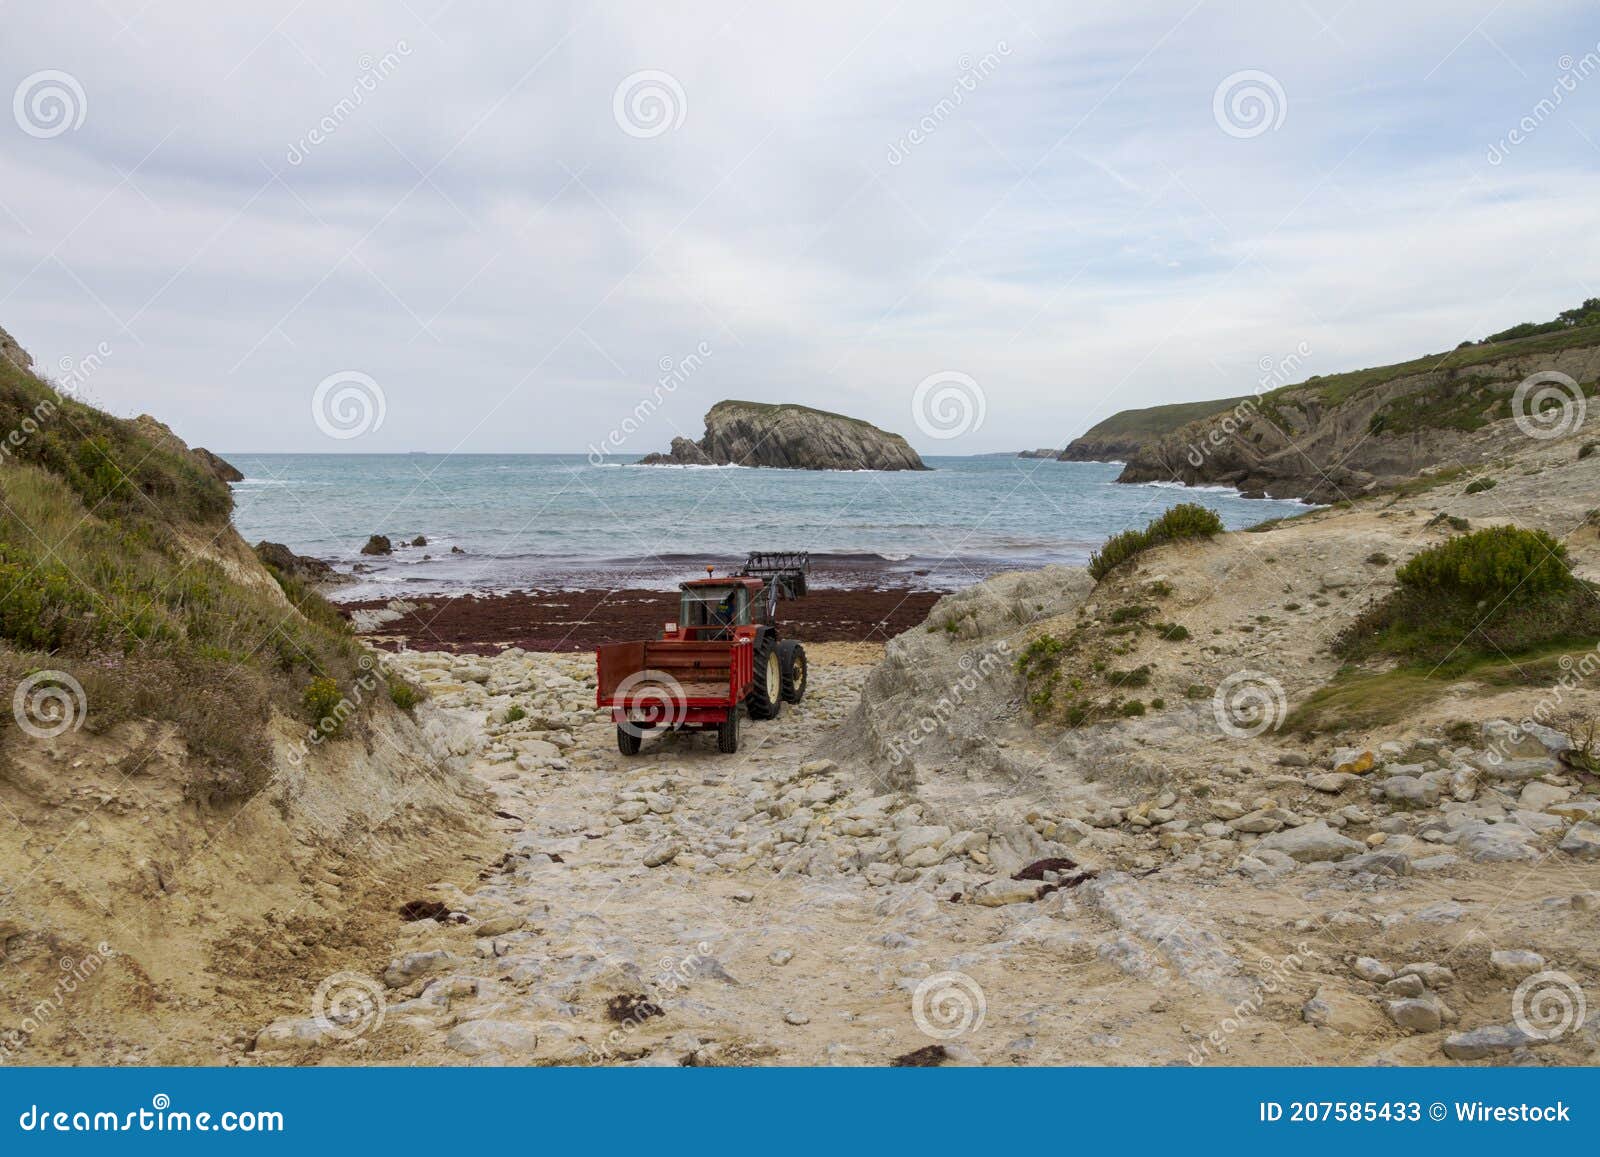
579,620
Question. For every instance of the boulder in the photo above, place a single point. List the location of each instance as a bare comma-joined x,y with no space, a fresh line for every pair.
1488,1041
378,544
1582,840
1309,843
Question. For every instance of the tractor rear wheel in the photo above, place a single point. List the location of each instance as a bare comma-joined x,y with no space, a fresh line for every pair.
628,739
728,733
792,661
766,695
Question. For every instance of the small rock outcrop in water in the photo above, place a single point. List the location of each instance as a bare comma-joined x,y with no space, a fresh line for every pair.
223,469
789,437
299,566
378,544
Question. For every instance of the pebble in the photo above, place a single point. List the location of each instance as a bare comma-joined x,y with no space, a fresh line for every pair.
661,854
1370,968
796,1018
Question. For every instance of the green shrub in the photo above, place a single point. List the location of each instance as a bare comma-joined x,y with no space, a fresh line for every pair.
1131,708
324,705
515,713
1125,614
1138,677
1040,655
1479,485
404,695
1378,558
1172,632
1490,564
1498,591
1186,520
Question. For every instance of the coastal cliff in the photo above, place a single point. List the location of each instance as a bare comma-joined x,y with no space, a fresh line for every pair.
1332,438
1127,432
789,437
164,686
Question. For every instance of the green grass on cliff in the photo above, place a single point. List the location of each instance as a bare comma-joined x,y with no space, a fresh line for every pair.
776,407
1463,404
1157,420
1336,388
114,554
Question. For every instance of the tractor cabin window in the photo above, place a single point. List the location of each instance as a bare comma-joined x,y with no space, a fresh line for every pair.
718,608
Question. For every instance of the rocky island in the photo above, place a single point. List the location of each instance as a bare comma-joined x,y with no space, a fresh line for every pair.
788,437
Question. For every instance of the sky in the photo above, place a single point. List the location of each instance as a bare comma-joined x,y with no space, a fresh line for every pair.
457,226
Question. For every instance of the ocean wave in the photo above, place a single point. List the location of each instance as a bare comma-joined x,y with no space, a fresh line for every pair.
1233,490
690,465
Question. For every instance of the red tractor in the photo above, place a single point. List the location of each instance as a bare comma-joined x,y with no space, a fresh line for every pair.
722,653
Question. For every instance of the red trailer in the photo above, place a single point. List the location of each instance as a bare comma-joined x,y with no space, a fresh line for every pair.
722,653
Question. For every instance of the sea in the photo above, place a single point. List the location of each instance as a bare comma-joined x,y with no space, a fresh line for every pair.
561,522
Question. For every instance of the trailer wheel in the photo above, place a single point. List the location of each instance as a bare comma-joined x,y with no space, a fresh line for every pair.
728,732
792,661
766,695
628,739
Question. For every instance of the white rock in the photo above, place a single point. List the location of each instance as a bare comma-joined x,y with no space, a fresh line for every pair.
1310,843
662,853
1582,840
476,1038
1369,968
1516,962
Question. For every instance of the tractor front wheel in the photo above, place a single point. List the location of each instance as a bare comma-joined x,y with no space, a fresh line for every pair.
766,696
728,733
792,662
628,739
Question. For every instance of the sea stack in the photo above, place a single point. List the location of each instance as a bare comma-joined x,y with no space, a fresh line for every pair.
789,437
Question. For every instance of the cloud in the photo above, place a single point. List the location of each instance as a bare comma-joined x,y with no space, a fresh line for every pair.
857,196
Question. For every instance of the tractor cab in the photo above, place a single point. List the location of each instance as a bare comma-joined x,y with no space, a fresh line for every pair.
714,608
